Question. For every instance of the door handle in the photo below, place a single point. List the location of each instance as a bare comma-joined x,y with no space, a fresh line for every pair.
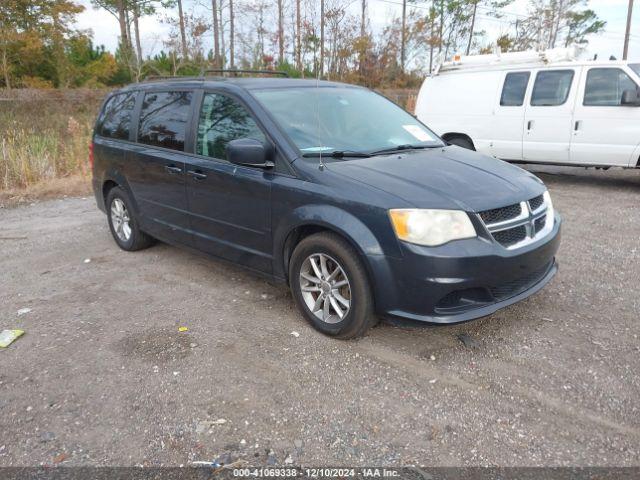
529,124
172,169
197,174
577,125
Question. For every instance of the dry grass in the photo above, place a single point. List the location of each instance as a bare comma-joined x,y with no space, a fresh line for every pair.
44,140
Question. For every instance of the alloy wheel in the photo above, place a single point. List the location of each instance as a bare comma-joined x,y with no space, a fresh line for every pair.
120,219
325,288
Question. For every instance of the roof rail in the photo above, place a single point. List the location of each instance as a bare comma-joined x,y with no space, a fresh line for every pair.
237,71
153,78
203,72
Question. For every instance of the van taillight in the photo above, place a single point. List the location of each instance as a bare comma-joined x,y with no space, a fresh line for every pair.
91,155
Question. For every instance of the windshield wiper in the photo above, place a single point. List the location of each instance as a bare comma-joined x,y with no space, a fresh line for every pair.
398,148
338,154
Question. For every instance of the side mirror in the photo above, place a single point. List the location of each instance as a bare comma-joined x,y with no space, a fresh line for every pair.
249,152
630,98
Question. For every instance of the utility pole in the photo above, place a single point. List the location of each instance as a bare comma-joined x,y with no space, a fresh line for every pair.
625,51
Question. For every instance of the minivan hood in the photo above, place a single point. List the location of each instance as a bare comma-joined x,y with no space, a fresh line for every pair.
448,178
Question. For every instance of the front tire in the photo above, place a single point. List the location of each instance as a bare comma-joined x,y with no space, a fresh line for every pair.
330,286
123,223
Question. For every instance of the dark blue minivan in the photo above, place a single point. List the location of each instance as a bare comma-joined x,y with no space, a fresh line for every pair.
329,187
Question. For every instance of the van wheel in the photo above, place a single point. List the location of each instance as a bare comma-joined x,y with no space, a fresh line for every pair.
462,142
330,286
123,223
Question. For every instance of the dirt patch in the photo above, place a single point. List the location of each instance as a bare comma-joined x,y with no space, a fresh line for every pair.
73,186
158,346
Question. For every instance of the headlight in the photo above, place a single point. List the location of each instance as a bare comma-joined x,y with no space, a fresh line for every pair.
550,214
431,227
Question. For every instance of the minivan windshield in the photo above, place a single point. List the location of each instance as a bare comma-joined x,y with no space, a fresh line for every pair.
635,67
344,120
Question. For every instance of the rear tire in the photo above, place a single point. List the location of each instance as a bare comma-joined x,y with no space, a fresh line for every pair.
462,142
123,223
330,286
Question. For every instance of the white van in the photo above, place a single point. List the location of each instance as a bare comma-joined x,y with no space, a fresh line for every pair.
538,107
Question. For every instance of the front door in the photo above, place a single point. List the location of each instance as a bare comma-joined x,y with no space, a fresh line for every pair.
548,116
604,131
156,172
229,205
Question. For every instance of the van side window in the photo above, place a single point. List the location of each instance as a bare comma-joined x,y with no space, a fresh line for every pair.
514,89
551,88
163,119
115,120
604,87
223,119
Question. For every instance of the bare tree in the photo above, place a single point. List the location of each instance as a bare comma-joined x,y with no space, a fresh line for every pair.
183,33
321,37
403,34
223,50
280,32
136,31
122,21
473,24
231,35
298,38
216,34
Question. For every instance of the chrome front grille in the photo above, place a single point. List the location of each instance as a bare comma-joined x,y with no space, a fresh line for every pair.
519,224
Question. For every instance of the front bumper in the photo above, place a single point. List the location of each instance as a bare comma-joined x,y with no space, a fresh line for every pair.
462,280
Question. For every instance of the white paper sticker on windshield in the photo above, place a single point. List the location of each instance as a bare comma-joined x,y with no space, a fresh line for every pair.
317,149
418,132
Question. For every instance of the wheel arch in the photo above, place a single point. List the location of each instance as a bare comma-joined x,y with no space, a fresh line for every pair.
322,218
115,179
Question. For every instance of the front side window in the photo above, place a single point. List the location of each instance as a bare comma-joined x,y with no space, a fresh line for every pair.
635,67
115,121
223,119
329,119
514,89
604,87
163,119
551,88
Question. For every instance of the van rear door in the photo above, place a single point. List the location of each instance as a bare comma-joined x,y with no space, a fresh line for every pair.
605,132
548,116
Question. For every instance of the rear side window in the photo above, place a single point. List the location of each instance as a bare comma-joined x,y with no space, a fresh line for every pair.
115,121
604,87
514,89
223,119
163,119
551,88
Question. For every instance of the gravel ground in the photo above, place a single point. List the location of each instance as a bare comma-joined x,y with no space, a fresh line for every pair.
103,376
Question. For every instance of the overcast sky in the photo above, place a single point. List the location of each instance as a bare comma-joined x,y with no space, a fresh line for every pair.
105,27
